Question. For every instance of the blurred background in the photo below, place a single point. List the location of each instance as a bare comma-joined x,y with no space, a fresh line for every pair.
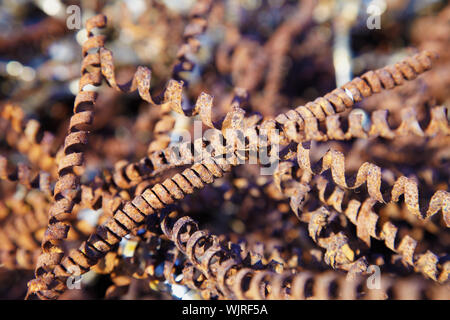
284,53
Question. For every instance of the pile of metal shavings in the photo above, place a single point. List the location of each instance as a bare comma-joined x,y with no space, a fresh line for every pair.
322,169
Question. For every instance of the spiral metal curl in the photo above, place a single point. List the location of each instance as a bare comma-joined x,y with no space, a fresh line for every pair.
68,183
409,125
260,285
182,69
236,281
109,234
329,193
24,175
368,226
378,126
19,258
372,175
196,27
301,124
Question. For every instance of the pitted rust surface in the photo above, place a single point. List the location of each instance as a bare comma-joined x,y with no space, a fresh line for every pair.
109,187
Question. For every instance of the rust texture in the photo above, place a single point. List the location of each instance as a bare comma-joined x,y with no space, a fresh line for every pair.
296,188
